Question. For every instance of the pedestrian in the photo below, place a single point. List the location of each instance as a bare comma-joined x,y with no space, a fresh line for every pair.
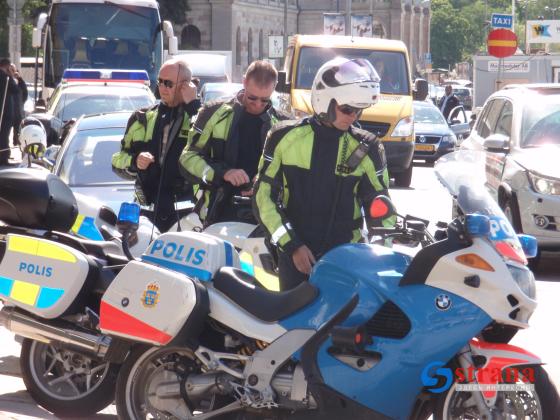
8,88
19,99
154,140
318,174
226,142
448,102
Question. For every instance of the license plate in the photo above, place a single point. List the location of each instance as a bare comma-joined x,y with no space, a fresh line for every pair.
424,147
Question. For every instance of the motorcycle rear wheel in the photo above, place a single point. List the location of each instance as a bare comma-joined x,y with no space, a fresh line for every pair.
66,383
543,403
149,382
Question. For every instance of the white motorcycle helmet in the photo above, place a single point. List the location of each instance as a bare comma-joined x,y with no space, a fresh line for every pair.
342,81
32,138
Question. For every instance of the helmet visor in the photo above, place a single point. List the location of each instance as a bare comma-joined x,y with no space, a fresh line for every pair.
351,71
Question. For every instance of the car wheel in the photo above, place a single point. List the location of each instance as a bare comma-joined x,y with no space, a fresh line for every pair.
403,179
511,210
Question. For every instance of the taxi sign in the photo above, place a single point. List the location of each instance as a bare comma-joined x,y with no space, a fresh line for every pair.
502,21
105,75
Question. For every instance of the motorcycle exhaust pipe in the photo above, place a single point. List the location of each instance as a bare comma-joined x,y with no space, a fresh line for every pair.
25,326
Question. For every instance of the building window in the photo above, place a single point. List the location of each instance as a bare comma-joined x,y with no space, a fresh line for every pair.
190,38
250,46
238,47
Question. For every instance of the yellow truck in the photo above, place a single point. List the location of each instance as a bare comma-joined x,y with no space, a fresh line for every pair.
391,118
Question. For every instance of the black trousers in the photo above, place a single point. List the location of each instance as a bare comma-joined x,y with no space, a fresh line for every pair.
289,275
5,143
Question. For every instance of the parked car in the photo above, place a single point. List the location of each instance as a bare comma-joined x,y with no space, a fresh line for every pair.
433,137
80,94
519,131
464,94
84,160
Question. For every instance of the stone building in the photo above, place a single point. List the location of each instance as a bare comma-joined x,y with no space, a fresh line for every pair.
243,26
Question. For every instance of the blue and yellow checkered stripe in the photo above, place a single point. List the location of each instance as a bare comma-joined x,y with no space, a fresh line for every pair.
85,227
29,293
266,279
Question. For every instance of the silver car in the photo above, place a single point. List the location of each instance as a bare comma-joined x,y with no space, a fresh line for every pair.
84,161
519,130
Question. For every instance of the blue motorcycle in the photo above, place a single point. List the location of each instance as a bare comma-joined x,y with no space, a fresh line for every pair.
374,334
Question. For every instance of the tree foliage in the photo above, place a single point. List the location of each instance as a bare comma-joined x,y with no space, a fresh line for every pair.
174,10
459,27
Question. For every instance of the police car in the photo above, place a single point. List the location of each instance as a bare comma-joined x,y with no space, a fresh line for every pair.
93,91
518,129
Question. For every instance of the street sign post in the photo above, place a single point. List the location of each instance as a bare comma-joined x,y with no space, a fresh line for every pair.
502,21
502,43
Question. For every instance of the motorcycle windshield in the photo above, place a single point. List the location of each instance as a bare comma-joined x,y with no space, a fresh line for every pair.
463,174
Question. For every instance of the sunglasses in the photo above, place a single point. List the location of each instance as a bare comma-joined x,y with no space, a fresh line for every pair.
349,110
254,98
168,83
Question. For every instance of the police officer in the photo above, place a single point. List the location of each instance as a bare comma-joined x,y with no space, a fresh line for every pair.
226,142
154,140
317,174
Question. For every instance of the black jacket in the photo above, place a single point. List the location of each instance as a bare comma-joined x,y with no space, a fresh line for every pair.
8,88
452,102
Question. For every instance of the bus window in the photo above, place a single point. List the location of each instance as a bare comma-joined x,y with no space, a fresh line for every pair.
102,35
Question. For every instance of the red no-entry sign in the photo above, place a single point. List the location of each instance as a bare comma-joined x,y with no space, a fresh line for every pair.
502,43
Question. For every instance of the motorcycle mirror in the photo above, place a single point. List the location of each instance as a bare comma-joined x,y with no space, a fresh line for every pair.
381,207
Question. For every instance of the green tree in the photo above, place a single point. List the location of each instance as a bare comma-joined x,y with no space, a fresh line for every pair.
174,10
4,10
448,34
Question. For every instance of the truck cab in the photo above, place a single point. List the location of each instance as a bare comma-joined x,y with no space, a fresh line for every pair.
391,118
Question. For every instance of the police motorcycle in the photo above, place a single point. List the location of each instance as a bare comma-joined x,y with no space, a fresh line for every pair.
51,283
387,336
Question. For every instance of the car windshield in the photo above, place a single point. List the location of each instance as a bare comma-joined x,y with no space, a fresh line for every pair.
391,66
541,122
74,105
87,161
427,115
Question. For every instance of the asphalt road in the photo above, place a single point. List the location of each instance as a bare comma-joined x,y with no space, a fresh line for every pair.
426,199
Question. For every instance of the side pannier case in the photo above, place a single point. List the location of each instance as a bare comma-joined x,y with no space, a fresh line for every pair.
195,254
154,305
42,276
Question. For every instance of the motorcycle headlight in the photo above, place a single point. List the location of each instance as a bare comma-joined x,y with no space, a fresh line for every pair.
544,185
404,128
525,280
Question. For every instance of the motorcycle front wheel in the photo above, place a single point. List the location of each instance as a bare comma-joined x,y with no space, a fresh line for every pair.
540,403
64,382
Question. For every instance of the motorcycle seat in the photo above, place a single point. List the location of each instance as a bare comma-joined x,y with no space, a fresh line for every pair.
266,305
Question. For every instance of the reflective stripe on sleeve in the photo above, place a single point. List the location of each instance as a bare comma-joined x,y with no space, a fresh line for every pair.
205,172
281,231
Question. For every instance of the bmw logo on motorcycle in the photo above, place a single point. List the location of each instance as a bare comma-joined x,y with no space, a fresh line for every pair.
443,302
